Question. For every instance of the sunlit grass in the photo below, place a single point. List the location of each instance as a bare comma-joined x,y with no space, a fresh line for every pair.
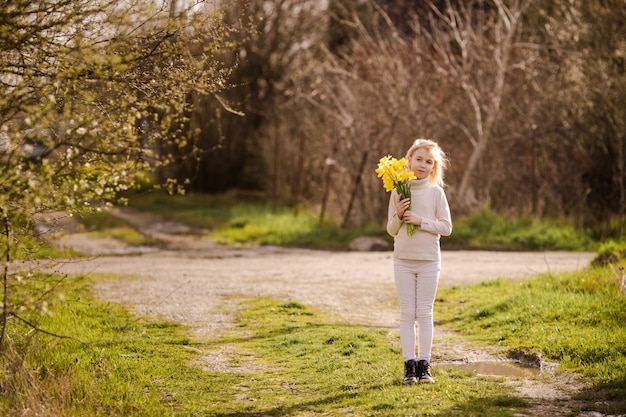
234,220
125,234
201,211
313,366
105,224
284,358
113,364
487,229
242,222
281,359
261,225
575,319
25,246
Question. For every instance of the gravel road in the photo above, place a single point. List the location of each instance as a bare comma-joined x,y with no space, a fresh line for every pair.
353,286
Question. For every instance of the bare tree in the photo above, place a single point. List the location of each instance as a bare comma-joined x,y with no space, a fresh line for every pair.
390,85
474,49
366,99
577,123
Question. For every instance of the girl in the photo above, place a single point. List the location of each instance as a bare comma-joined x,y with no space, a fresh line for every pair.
417,258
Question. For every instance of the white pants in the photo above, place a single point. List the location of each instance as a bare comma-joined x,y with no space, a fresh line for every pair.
416,284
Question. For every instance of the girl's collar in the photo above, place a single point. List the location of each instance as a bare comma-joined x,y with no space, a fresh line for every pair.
419,183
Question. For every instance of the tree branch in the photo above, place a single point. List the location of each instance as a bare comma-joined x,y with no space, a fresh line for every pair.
5,276
38,329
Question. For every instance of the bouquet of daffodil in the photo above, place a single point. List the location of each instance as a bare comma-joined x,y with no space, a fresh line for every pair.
395,174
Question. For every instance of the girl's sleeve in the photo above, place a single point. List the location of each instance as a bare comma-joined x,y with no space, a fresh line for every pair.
393,222
442,224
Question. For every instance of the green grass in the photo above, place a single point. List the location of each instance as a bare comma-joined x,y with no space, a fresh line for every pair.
104,224
489,230
281,228
121,366
610,252
311,366
242,222
26,246
575,319
29,245
282,359
199,210
285,359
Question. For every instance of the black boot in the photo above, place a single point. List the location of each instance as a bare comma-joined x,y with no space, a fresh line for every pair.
423,373
410,376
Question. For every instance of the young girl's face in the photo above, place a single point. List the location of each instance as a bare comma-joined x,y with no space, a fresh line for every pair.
421,163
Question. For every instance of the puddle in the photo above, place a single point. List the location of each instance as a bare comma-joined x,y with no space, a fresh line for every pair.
500,368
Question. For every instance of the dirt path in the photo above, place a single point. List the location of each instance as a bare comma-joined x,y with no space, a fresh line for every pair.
196,282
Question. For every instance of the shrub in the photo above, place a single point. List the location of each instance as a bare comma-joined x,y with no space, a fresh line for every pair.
609,253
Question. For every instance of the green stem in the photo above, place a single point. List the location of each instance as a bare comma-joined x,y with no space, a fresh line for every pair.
404,189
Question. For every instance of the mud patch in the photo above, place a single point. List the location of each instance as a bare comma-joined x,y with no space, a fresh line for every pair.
507,369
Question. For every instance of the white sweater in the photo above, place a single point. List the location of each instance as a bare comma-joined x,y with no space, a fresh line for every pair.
428,201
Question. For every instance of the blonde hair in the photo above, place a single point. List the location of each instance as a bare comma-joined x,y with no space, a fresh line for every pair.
441,160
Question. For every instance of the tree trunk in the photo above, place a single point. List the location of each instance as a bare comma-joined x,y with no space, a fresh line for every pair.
355,189
486,104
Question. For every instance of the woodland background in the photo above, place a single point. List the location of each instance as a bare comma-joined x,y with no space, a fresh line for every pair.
526,97
295,101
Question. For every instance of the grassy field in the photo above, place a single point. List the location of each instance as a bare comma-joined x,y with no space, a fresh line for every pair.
285,359
575,319
230,221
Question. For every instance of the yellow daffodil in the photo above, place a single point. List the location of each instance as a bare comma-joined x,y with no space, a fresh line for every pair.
395,174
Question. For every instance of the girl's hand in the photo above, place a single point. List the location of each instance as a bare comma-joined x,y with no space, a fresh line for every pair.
401,206
412,218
